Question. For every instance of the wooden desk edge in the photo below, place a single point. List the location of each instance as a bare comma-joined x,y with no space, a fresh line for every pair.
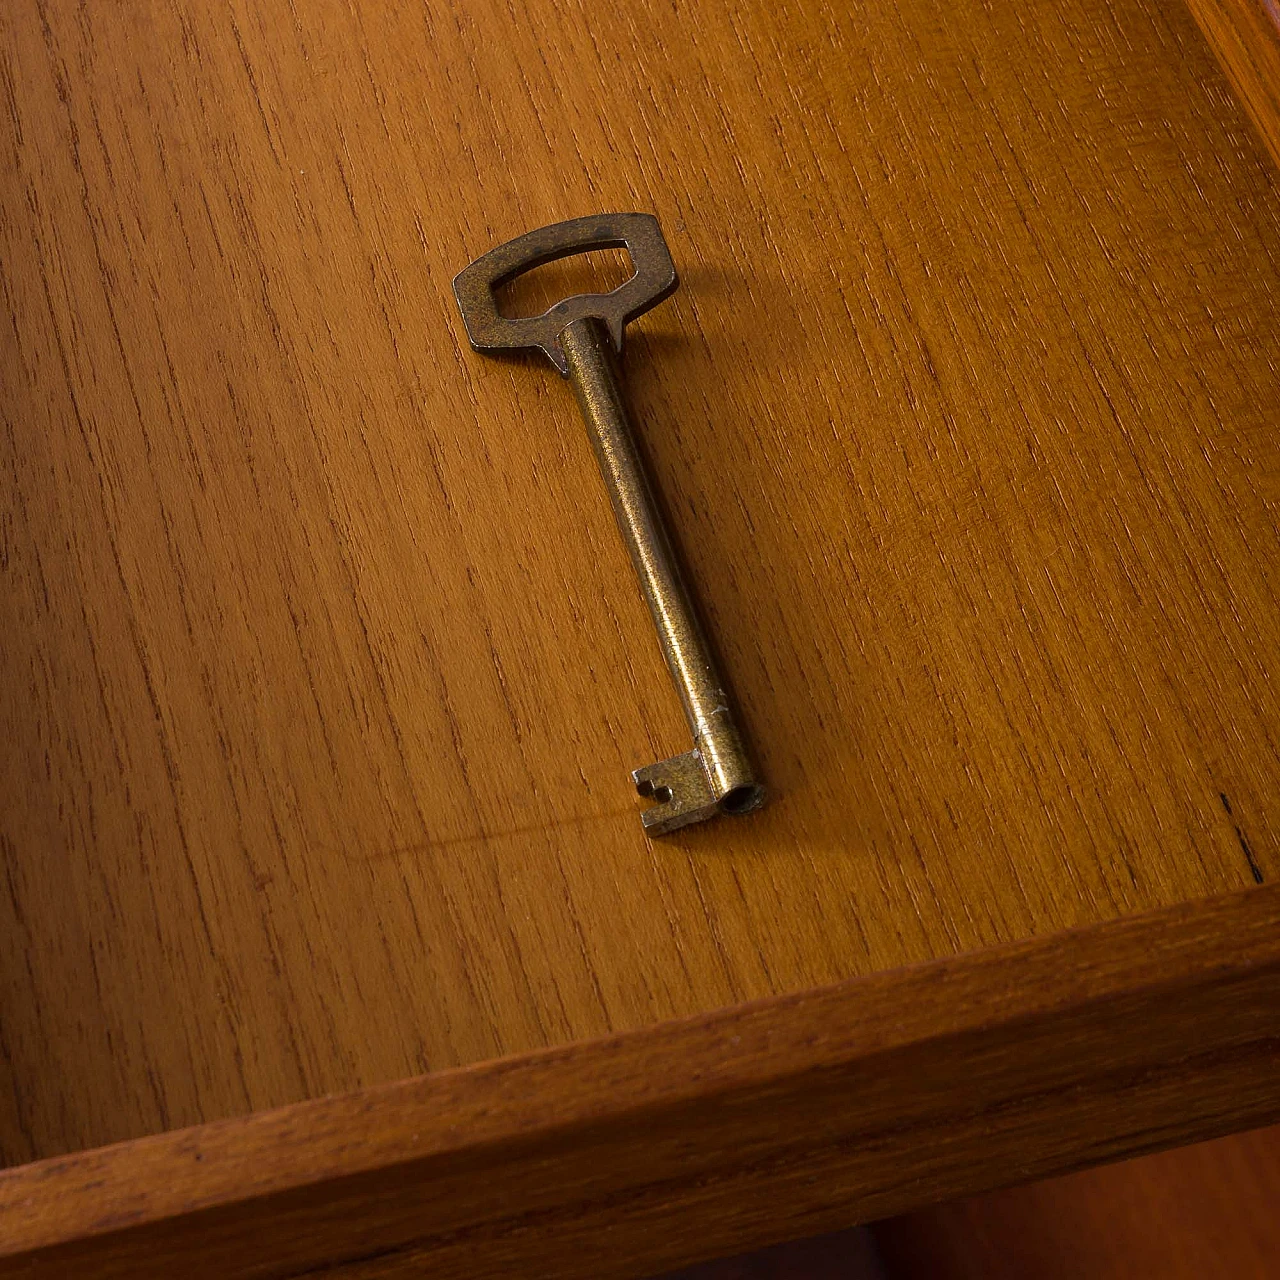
1245,38
751,1124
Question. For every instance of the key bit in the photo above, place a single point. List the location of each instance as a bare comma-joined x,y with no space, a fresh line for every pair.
581,336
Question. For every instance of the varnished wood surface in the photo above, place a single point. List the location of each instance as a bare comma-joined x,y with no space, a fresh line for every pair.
322,667
1206,1210
1245,37
1203,1210
659,1147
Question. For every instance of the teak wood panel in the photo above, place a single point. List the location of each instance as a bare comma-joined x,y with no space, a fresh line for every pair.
323,668
771,1120
1245,38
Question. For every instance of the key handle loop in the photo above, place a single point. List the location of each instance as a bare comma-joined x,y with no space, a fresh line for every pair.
654,279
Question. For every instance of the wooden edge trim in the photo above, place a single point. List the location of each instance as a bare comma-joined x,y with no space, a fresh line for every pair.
686,1139
1245,38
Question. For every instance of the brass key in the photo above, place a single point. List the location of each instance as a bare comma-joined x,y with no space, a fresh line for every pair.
577,336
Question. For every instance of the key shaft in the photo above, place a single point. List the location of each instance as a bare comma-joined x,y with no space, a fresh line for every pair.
720,776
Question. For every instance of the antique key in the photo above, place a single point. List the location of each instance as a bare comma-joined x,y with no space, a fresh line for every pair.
576,335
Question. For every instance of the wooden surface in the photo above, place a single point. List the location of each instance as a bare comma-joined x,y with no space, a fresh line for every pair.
1203,1210
655,1148
323,670
1245,37
1206,1210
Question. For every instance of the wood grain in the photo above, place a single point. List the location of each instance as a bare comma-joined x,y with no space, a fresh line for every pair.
1206,1210
323,669
736,1129
1203,1210
1245,37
